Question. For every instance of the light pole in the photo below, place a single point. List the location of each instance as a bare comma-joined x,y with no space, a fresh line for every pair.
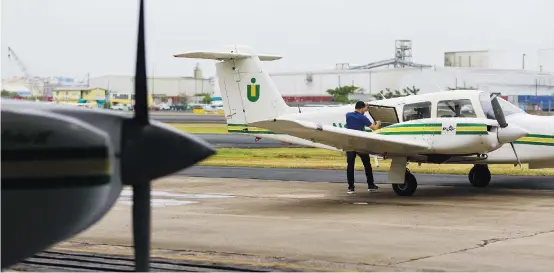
523,62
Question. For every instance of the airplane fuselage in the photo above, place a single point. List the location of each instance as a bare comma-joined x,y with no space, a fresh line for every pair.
537,149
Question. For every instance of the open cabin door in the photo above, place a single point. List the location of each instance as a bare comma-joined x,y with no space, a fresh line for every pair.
386,114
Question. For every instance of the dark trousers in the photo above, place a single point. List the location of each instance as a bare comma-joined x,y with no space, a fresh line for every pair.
351,160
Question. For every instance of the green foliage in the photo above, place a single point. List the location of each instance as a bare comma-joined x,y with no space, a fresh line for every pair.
387,93
207,98
462,88
8,94
181,100
340,94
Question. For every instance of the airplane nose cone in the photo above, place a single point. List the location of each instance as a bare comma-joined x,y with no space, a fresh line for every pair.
511,133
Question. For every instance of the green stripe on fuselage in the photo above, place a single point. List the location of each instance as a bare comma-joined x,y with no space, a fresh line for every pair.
470,125
414,125
251,132
471,132
536,139
534,143
411,133
541,136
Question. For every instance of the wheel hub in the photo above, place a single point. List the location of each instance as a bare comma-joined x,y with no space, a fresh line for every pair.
402,186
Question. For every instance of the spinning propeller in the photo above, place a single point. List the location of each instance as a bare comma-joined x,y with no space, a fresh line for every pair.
506,133
142,144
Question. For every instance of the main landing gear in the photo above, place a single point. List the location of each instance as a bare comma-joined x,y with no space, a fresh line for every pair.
409,186
479,176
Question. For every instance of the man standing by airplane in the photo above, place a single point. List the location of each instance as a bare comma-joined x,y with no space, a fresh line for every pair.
358,121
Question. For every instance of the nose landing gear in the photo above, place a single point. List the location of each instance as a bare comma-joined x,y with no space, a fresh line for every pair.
479,176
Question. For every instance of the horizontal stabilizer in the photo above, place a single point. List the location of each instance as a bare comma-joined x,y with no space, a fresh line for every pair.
347,139
223,56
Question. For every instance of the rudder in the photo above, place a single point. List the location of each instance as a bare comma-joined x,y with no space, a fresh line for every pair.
247,91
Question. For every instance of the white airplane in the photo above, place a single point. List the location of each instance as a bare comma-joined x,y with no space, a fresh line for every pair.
460,126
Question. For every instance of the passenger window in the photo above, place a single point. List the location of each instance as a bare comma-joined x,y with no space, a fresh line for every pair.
417,111
455,108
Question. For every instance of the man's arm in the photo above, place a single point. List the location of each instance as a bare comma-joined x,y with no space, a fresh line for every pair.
372,126
375,126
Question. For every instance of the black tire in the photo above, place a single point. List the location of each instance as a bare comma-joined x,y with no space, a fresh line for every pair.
479,176
408,188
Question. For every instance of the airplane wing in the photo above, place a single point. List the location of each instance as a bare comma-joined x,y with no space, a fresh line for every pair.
347,139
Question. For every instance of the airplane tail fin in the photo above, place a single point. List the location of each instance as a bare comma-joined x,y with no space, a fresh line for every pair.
247,91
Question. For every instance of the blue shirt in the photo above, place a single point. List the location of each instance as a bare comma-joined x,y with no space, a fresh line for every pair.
357,121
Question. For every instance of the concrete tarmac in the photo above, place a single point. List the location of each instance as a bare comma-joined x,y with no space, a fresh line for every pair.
335,176
313,225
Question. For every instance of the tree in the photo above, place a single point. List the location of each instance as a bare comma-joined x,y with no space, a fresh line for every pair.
387,93
181,100
207,98
8,94
462,88
340,94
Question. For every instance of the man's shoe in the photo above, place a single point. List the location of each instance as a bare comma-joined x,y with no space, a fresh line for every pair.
350,191
372,188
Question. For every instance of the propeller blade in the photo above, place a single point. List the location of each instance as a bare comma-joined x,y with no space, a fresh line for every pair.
141,226
141,189
498,113
151,150
141,91
515,153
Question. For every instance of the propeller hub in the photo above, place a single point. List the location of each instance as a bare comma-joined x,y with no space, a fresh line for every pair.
510,133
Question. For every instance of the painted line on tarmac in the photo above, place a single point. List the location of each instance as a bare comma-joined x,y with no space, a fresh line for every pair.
208,260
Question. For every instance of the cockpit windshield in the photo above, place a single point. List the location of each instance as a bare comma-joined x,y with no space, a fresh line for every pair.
507,108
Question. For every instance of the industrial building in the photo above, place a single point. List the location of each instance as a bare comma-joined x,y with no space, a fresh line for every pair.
462,70
483,69
160,88
432,79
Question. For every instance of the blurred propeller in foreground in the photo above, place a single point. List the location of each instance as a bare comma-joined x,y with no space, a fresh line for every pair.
64,167
142,147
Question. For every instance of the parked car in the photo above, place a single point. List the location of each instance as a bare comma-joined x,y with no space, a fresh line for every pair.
163,107
178,107
121,107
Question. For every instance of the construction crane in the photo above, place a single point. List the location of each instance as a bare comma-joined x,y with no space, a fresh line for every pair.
30,82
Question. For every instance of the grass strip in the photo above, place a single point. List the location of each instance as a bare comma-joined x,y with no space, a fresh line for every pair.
201,128
323,159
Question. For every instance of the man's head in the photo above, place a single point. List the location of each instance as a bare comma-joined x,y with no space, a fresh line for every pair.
360,107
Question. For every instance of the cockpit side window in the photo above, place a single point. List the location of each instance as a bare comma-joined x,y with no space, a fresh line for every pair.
417,110
455,108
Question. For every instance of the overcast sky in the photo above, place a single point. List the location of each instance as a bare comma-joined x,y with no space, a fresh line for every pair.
75,37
